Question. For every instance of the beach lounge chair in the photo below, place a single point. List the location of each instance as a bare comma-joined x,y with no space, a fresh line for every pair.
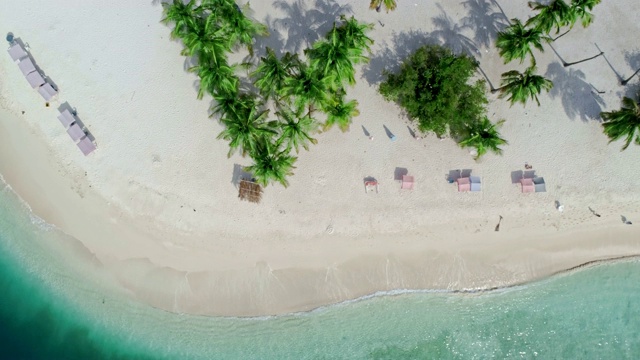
407,182
47,91
26,66
527,185
66,118
76,132
86,146
475,184
17,52
539,185
35,79
371,185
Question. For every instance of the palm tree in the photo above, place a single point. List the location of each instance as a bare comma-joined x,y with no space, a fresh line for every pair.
272,72
247,129
623,123
580,10
232,104
377,4
516,40
556,14
340,112
521,87
182,15
331,58
207,43
215,78
484,136
270,163
240,29
307,88
354,35
296,127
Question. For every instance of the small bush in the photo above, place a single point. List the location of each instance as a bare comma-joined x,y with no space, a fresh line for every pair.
434,87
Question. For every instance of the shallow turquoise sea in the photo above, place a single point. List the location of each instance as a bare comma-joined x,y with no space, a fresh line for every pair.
51,310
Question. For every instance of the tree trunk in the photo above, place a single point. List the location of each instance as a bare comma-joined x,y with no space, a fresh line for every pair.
566,64
561,35
625,81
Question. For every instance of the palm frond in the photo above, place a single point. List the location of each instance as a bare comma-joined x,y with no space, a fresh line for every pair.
623,123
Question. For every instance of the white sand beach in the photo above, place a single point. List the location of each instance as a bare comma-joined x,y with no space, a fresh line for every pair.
157,202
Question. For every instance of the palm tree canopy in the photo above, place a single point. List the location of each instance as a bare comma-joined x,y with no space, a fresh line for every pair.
521,87
556,14
484,136
623,123
331,58
270,163
215,78
516,40
295,128
272,72
354,35
247,129
580,10
340,112
306,87
184,17
388,4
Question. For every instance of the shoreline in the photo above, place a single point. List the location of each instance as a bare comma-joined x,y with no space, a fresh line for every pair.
155,204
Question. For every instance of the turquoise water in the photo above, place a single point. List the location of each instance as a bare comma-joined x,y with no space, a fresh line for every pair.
51,310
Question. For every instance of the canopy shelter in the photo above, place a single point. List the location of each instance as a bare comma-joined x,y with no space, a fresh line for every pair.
35,79
76,132
250,191
86,146
66,118
535,184
469,183
371,185
407,182
26,66
16,52
47,91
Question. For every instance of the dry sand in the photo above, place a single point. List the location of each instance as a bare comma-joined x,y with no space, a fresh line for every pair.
157,203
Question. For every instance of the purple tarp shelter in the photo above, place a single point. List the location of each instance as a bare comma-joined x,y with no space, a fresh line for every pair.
35,79
47,91
86,146
17,52
66,118
76,133
26,66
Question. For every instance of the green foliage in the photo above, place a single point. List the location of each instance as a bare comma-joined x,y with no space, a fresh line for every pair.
295,128
520,87
516,42
484,136
556,14
623,123
377,4
433,87
272,73
340,112
246,128
580,10
306,88
183,16
271,163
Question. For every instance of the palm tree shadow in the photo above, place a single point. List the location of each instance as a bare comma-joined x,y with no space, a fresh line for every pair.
449,32
484,20
390,56
303,25
274,40
576,94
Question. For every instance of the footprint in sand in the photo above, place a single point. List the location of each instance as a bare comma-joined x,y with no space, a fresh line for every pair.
329,229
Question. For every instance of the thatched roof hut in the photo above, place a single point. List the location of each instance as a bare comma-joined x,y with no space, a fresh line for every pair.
250,191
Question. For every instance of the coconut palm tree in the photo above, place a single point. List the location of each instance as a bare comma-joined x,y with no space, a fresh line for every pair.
377,4
484,136
295,128
240,29
247,129
272,72
208,43
215,78
340,112
306,88
581,11
623,123
332,59
516,41
520,87
271,163
354,35
232,104
556,14
184,16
